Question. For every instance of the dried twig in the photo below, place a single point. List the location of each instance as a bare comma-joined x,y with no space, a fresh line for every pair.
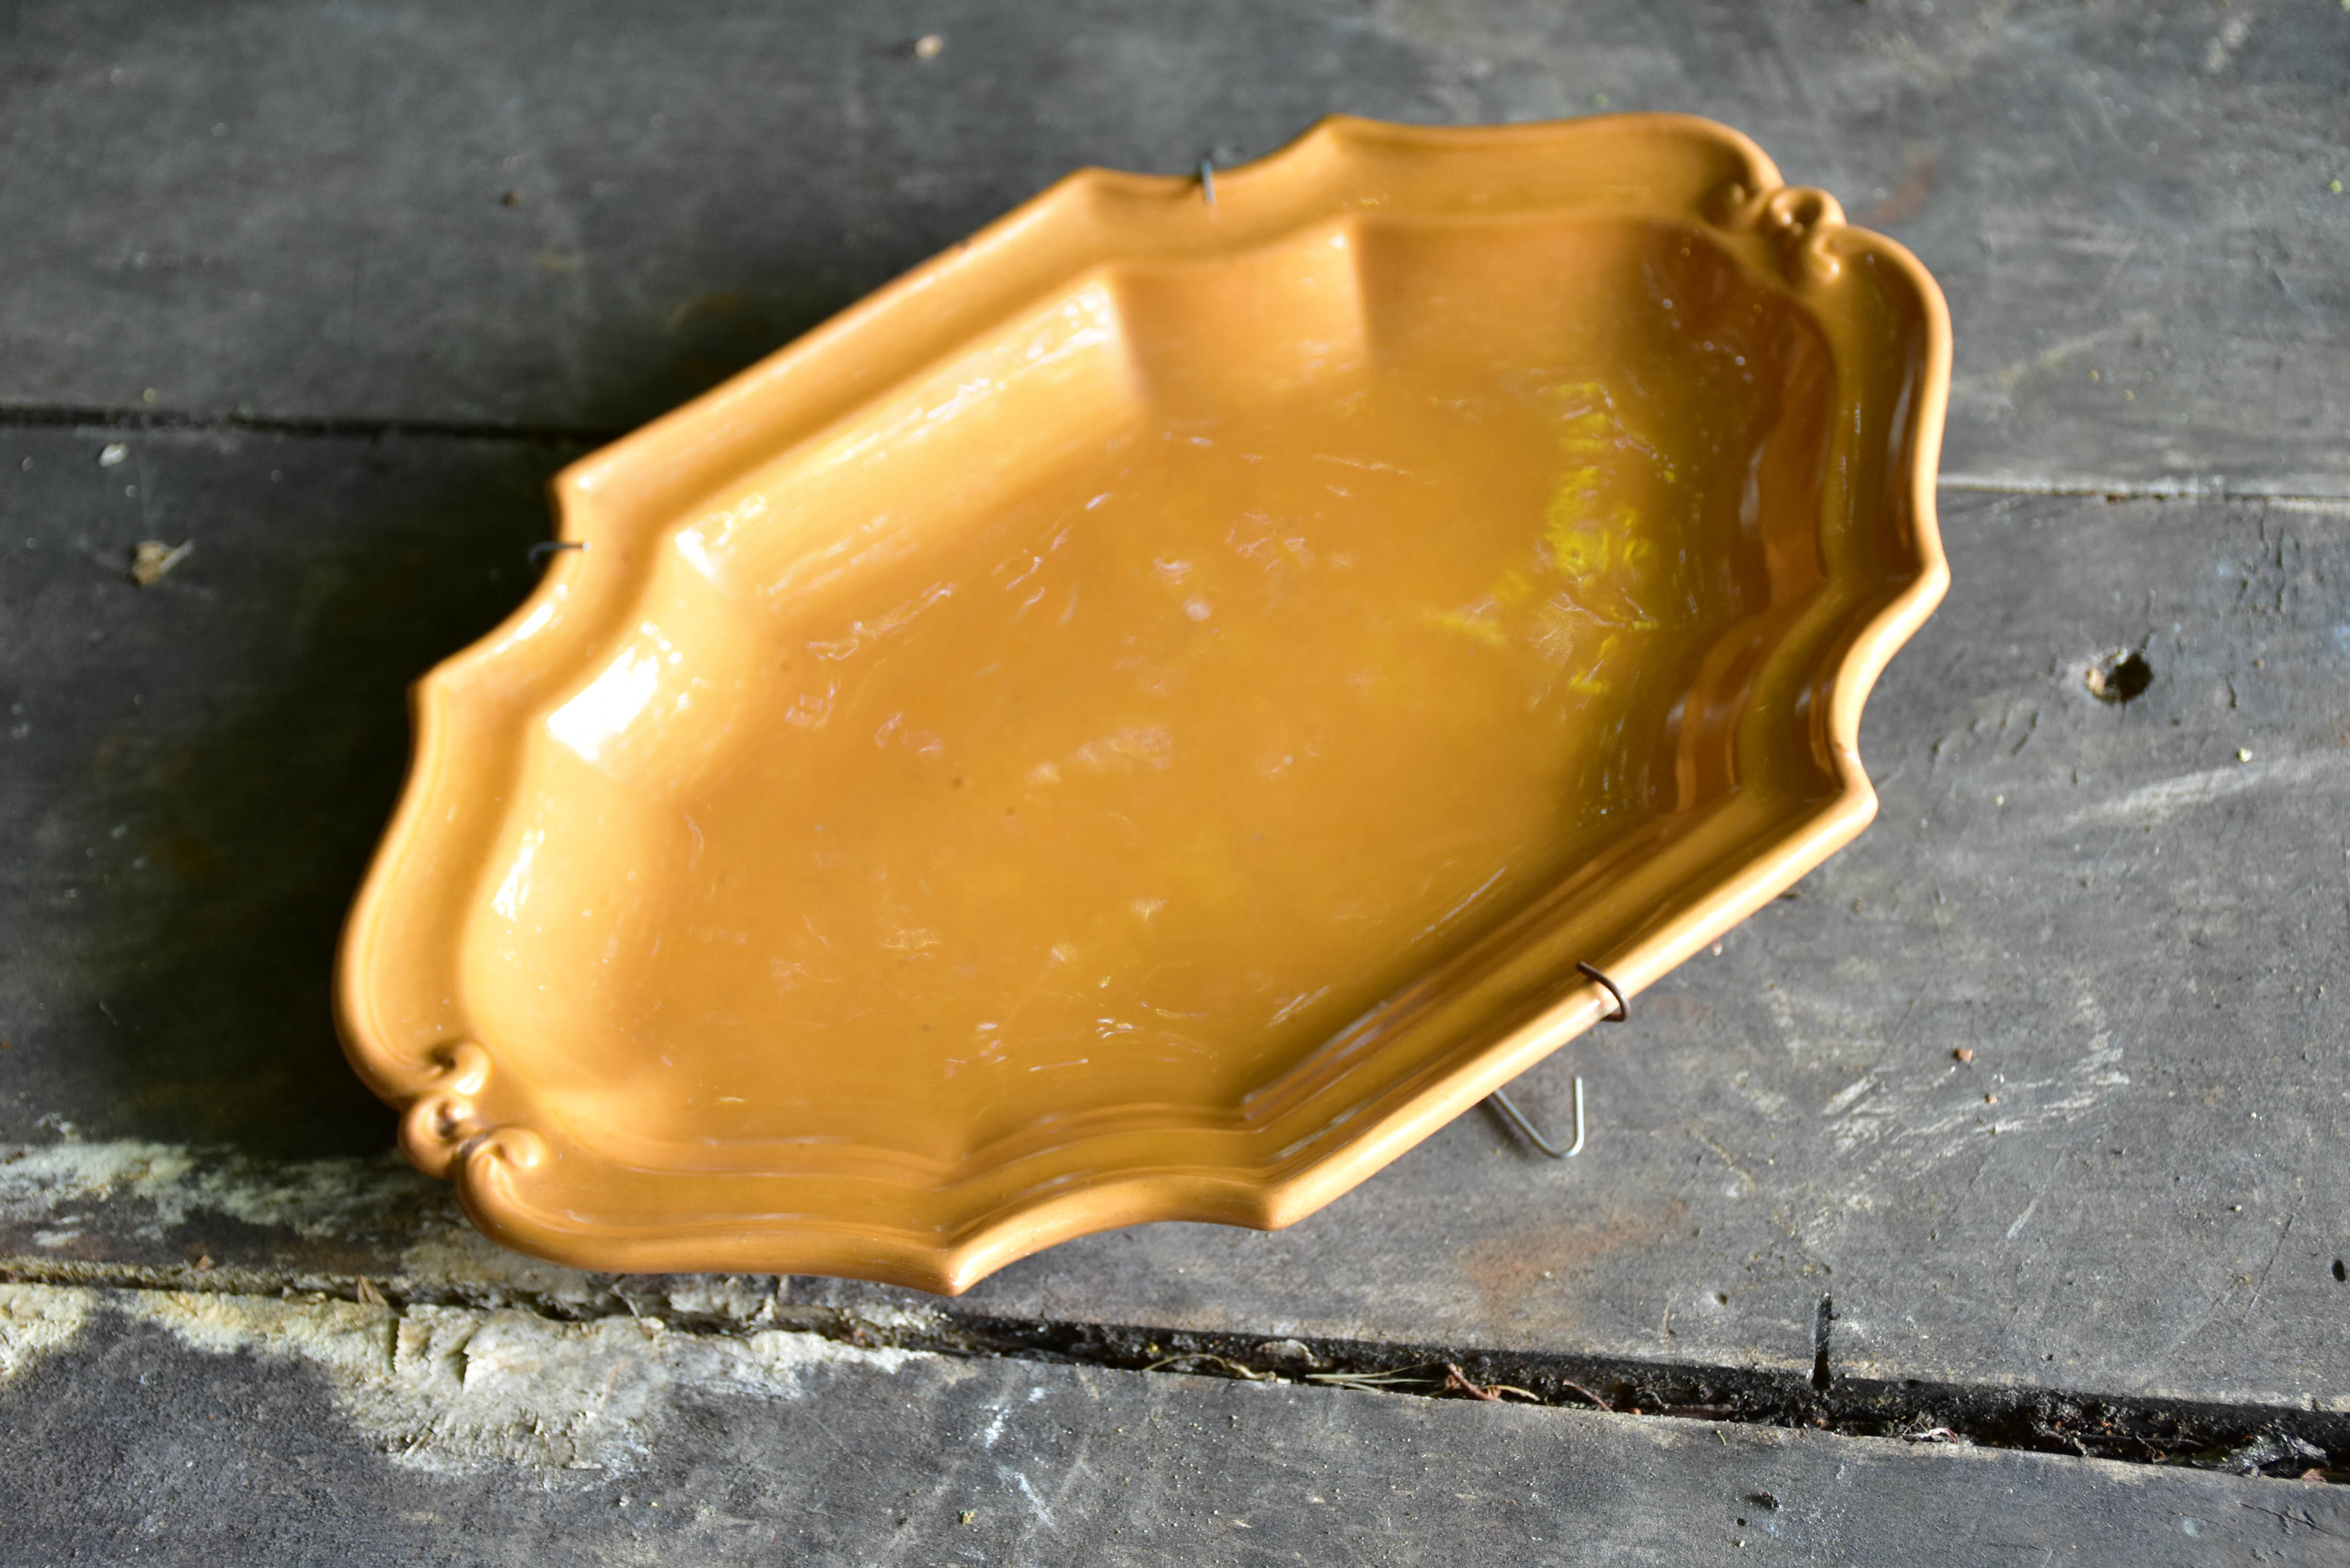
1458,1382
1390,1379
1228,1365
1587,1393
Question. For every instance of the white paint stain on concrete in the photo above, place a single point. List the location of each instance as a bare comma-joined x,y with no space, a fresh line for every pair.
455,1389
41,1183
1919,1120
450,1249
37,1319
1842,1100
2160,801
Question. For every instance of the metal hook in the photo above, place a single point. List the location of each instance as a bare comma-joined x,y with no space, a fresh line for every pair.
1515,1119
540,552
1501,1101
1623,1008
1208,180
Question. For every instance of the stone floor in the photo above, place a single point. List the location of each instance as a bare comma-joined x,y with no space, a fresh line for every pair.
347,283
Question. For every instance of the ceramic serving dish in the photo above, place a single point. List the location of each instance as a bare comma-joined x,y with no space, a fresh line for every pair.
1142,718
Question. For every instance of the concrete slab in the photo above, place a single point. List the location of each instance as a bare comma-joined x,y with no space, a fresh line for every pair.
556,215
2132,1187
235,1430
2114,1226
2127,917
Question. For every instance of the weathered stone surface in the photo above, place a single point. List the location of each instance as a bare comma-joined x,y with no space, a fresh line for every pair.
2131,915
578,215
2131,930
196,770
243,1430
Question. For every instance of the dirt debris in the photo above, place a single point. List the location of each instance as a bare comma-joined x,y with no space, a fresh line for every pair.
151,559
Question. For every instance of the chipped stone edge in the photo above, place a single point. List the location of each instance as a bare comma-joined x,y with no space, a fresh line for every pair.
455,1389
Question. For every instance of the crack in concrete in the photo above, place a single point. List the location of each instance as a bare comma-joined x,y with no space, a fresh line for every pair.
332,428
2212,487
2249,1440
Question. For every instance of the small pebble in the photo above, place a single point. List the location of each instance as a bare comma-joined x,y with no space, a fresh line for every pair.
152,558
2242,755
1964,1054
927,46
112,453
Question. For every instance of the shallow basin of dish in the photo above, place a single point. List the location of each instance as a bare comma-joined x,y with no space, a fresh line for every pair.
1140,719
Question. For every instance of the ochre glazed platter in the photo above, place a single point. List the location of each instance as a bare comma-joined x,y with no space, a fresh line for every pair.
1142,718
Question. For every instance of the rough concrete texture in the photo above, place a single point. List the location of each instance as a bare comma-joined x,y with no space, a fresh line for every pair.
365,1436
359,226
576,214
2130,1188
2134,1182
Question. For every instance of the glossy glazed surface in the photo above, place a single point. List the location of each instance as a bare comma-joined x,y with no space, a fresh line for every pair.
1164,745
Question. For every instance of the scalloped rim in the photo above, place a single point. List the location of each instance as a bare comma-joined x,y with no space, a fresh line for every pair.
444,1127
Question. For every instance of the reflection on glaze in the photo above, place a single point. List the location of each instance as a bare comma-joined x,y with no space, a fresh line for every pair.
1188,746
610,704
1242,721
515,887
